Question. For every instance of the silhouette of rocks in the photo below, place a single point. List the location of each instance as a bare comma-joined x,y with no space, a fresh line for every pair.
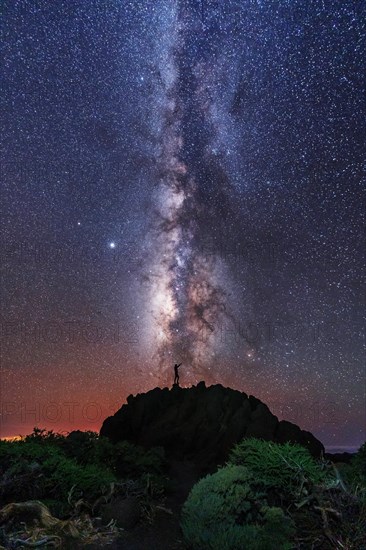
200,423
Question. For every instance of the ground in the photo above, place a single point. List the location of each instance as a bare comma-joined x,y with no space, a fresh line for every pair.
165,531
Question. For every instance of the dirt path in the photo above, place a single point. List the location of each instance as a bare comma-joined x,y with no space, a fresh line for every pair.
165,532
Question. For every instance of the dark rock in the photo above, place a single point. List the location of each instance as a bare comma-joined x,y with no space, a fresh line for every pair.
263,423
287,431
199,423
344,458
126,512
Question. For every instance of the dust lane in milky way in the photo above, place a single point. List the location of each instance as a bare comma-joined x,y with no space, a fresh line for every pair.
187,301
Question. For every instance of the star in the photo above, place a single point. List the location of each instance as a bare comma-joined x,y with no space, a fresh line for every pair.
225,159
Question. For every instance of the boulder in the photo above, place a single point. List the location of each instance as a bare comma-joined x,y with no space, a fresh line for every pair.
125,511
200,423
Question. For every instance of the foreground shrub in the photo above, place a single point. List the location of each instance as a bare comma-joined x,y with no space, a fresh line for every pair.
225,512
359,465
282,466
124,458
47,466
354,474
64,473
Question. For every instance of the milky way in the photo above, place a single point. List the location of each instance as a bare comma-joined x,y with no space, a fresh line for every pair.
186,297
182,182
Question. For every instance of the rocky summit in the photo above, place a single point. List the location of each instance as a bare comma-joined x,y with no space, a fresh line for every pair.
200,423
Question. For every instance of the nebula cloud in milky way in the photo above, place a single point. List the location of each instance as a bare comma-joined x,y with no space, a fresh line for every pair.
187,280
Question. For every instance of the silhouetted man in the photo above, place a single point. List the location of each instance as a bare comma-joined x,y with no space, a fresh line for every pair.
176,375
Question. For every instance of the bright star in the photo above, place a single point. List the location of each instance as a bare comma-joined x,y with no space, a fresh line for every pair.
112,245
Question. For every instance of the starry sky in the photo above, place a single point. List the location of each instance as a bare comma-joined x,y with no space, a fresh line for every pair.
182,182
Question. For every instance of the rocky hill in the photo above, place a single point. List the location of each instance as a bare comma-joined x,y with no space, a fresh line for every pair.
200,423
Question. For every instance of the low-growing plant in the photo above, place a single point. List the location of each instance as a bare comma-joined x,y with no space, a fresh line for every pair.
46,466
354,474
282,466
225,512
359,465
64,473
13,452
133,460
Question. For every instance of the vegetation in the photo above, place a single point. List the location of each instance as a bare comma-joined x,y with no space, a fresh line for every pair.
277,496
81,460
225,512
65,476
286,467
268,496
354,474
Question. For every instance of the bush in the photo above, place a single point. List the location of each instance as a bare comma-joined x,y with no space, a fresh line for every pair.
89,481
359,464
37,467
14,452
132,460
46,465
124,458
224,512
282,466
354,474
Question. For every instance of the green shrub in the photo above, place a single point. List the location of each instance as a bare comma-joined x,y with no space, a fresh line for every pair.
359,464
40,435
89,481
125,459
354,474
81,446
132,460
224,512
13,453
46,465
282,466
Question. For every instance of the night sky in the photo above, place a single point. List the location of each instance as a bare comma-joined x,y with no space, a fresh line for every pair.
182,182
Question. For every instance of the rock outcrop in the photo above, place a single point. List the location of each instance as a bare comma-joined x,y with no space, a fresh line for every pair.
200,423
